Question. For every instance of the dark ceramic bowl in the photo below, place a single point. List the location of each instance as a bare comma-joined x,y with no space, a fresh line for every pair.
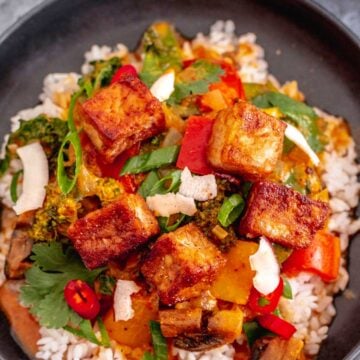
315,50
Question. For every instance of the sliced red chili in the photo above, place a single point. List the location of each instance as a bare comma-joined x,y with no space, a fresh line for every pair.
264,304
124,70
277,325
82,299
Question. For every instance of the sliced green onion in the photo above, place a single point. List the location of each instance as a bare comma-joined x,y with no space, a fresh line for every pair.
13,186
105,339
169,183
107,284
66,183
231,209
287,291
277,312
148,184
151,161
73,101
254,331
166,227
158,341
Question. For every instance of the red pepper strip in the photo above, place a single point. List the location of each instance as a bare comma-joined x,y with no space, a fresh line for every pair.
277,325
125,69
321,257
194,145
82,299
264,304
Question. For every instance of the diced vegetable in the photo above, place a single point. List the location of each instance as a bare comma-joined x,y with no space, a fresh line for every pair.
219,232
231,209
227,324
194,145
267,268
82,299
36,178
281,252
136,331
264,304
254,89
234,281
321,257
277,325
123,70
149,161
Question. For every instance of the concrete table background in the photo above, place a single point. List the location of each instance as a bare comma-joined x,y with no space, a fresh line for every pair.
348,11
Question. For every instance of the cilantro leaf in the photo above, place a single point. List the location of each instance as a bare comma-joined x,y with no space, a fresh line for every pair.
45,281
161,51
195,80
303,115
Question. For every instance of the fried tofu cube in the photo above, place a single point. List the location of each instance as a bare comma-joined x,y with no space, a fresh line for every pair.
113,231
182,264
283,215
245,141
120,115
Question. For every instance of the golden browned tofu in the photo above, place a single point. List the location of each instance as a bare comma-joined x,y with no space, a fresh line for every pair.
113,231
181,264
245,141
282,215
120,115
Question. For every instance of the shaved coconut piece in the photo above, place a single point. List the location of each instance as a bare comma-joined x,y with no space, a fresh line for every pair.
122,299
169,204
36,178
200,188
267,268
293,134
163,87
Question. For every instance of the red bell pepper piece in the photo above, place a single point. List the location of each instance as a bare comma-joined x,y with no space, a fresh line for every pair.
194,145
82,299
277,325
321,257
264,304
123,70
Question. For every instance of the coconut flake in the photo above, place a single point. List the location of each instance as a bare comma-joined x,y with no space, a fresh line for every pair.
293,134
169,204
267,268
36,177
163,87
122,299
201,188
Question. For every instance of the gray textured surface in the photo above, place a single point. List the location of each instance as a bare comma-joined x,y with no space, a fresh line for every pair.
348,11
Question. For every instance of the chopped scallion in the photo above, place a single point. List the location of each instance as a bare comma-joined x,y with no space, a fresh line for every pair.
150,161
287,291
231,209
13,186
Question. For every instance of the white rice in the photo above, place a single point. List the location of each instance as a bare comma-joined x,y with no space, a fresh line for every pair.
311,309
